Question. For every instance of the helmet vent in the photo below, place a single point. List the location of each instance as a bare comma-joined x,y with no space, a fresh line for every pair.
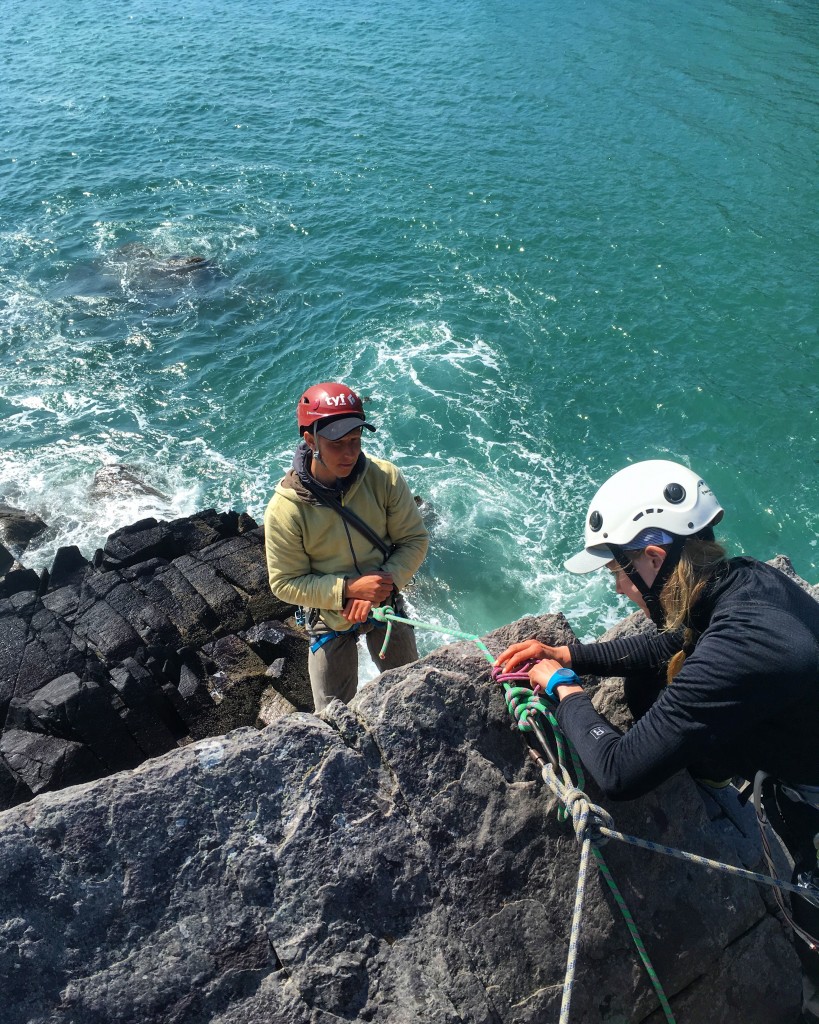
638,516
595,521
674,493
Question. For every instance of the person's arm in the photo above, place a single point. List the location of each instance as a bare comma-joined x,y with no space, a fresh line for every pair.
608,658
406,530
288,566
722,690
625,655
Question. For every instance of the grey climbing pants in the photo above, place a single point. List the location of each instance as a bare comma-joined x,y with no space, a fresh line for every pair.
333,667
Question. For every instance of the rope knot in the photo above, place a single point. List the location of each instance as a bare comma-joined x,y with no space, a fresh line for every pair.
587,818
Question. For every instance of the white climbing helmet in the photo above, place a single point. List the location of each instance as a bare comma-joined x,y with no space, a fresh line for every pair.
655,494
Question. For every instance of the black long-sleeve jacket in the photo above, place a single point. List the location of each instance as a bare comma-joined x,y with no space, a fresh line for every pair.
747,697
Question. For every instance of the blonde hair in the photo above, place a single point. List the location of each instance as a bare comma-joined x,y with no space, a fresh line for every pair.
699,560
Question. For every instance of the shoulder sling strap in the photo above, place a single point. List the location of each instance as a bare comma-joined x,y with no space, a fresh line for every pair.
351,517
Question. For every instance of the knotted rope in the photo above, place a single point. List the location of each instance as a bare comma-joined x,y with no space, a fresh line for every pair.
592,824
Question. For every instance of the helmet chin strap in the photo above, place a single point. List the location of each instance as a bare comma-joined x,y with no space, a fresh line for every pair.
316,451
651,594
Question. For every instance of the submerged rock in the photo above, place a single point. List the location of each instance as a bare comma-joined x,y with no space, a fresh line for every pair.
121,481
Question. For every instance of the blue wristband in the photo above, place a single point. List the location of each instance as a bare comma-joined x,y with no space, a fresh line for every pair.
562,677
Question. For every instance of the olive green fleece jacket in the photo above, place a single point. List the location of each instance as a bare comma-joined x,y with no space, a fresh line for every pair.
308,548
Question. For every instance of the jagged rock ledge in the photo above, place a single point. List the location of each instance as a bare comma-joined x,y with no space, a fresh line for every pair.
169,634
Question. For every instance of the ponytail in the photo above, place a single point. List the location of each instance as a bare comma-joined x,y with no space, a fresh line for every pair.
699,561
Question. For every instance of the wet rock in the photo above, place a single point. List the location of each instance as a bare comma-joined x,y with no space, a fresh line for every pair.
12,790
40,762
7,560
18,528
111,655
147,714
69,568
19,581
122,481
82,711
150,538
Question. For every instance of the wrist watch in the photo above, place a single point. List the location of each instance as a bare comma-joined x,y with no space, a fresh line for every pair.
562,677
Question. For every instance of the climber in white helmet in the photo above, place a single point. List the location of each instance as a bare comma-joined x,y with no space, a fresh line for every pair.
739,639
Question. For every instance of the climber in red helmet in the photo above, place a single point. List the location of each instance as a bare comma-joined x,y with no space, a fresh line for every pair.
343,535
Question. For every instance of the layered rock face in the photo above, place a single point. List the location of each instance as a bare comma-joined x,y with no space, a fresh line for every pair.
169,634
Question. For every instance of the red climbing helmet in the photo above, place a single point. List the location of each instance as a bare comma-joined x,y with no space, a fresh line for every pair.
336,404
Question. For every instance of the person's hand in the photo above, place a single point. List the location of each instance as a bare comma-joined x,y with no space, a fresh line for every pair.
541,673
356,610
532,650
375,587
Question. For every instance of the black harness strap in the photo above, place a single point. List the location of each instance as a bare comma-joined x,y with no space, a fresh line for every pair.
651,595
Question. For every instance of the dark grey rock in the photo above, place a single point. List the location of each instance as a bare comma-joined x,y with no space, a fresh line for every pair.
150,538
398,860
19,581
268,638
18,528
80,710
242,564
69,569
7,560
225,600
167,589
147,714
12,790
130,630
41,763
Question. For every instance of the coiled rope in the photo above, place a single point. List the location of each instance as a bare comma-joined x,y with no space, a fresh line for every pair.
593,825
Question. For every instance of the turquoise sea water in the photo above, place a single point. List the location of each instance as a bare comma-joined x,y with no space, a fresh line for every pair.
546,239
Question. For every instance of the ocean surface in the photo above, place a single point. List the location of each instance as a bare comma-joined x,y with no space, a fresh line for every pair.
544,238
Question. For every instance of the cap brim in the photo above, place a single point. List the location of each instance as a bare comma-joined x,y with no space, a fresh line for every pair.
339,428
589,560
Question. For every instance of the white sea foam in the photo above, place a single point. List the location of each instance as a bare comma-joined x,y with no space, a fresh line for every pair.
58,485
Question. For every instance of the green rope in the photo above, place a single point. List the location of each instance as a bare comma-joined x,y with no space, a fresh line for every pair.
387,615
589,822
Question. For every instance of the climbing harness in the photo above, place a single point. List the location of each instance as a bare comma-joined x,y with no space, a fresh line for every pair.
593,825
331,634
318,640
